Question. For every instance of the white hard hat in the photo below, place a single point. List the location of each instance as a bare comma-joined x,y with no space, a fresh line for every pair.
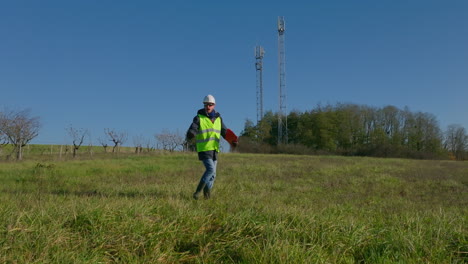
209,99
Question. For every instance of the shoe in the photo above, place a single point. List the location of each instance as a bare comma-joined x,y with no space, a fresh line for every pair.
207,192
200,187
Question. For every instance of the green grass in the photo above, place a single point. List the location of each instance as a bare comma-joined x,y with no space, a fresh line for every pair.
264,209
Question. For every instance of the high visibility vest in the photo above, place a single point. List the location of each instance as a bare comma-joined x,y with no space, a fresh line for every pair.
209,134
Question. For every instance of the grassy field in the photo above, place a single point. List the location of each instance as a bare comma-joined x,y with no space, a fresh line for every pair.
264,209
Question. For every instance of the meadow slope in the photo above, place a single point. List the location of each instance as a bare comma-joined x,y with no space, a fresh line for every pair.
264,209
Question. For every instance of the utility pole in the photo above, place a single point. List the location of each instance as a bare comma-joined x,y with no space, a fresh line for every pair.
282,114
259,52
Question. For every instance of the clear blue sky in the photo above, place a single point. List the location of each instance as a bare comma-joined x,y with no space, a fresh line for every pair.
145,66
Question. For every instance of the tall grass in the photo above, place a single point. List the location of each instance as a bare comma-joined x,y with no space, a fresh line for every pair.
264,209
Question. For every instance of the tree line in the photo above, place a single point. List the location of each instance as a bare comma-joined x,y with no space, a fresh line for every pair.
360,130
343,129
19,127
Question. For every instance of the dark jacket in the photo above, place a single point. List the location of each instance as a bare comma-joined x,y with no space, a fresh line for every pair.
193,130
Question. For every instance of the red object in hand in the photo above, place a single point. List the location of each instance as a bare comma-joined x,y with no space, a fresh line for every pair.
231,137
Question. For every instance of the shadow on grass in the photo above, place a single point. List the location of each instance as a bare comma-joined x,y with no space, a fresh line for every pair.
89,193
95,193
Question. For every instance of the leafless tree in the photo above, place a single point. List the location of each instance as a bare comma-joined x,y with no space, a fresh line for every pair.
169,141
19,128
149,145
138,143
103,143
3,141
456,141
77,135
117,137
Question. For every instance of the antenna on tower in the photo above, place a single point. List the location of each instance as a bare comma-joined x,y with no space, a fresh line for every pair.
282,115
259,52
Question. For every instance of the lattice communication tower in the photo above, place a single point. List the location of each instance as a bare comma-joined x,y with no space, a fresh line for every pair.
259,52
282,115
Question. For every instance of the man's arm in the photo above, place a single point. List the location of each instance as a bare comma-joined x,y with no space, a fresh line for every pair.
193,129
223,129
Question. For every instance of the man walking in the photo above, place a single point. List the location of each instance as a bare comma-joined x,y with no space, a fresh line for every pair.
207,127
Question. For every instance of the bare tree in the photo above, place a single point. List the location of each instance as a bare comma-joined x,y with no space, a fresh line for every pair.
149,145
78,135
456,141
3,141
117,137
103,143
138,143
169,141
19,128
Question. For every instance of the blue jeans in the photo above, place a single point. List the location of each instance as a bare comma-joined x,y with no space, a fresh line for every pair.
210,172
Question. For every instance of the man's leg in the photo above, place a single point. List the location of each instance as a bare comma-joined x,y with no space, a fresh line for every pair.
210,183
207,178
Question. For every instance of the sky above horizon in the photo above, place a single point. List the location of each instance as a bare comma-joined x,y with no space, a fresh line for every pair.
144,66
